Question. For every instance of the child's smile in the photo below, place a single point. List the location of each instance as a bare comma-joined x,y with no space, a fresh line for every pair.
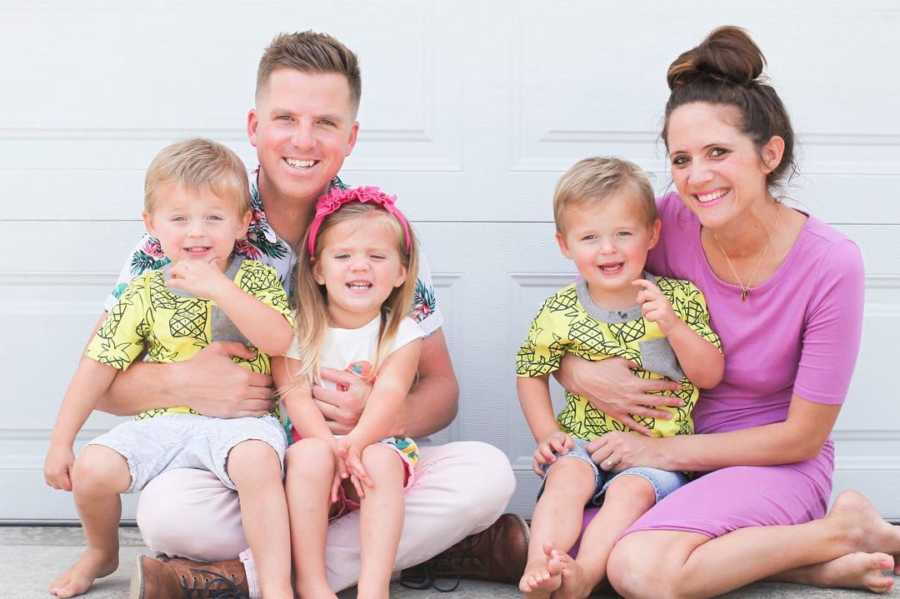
359,265
608,240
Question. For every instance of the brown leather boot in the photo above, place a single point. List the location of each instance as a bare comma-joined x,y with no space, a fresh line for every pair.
177,578
497,554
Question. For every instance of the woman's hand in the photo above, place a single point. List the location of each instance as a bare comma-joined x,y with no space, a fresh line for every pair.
617,451
343,405
611,387
556,444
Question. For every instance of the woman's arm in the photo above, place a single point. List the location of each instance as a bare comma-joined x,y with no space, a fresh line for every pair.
611,387
800,437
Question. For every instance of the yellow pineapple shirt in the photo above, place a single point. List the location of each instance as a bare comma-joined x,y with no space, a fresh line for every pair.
569,321
169,325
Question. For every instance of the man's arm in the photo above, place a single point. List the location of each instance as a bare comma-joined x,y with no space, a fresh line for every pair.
433,402
209,382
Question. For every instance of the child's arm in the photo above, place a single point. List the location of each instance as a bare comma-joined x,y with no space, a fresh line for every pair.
701,361
534,397
297,399
265,328
388,396
91,381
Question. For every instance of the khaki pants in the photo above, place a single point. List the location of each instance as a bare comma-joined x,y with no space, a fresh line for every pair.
460,489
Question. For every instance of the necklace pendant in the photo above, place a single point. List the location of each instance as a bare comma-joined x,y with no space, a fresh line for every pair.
745,293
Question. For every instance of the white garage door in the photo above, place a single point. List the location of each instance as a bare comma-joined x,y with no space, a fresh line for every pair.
470,113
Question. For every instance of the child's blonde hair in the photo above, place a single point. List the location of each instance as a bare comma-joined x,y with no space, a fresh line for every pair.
311,299
196,164
596,179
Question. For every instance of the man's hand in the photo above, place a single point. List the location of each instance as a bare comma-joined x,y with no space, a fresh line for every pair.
58,467
556,444
342,406
199,278
214,385
655,307
611,387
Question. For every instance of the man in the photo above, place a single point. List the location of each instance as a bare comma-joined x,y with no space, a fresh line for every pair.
303,127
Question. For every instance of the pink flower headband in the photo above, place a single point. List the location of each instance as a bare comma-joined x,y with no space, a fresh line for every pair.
332,201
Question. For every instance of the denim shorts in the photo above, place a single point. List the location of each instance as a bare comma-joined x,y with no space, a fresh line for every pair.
662,481
155,445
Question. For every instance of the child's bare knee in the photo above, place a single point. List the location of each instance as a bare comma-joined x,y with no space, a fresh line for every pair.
570,471
308,456
632,489
100,469
379,457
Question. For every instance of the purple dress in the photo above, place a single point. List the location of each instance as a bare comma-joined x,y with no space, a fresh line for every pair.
797,333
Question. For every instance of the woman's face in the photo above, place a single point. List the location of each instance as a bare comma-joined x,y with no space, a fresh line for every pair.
716,168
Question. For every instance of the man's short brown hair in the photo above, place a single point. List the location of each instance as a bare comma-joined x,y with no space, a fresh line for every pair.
310,52
196,164
595,179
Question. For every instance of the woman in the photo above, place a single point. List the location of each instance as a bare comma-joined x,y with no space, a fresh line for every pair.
785,293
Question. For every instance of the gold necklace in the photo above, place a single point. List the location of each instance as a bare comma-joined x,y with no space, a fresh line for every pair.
745,289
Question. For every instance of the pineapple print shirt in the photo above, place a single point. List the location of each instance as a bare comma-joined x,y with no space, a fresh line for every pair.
169,325
569,321
263,244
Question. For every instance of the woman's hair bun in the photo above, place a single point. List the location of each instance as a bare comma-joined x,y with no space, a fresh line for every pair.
727,54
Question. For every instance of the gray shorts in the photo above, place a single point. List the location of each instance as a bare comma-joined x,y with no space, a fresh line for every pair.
662,481
155,445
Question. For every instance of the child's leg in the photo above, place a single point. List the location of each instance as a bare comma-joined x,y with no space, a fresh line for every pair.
556,521
310,472
100,474
381,519
255,468
626,500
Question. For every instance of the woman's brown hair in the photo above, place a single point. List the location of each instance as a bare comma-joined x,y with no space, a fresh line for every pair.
727,69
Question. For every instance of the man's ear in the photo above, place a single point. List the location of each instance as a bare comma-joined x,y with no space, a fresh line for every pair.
252,124
351,143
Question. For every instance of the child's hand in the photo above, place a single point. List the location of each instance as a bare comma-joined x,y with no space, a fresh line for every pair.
58,467
556,444
655,307
350,454
199,278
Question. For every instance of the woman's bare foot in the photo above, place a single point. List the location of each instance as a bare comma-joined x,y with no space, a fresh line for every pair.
855,571
93,564
574,580
542,577
863,526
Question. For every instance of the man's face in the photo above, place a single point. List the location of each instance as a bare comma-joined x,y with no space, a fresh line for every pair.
303,127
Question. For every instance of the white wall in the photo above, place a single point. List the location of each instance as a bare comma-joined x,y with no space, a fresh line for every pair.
470,112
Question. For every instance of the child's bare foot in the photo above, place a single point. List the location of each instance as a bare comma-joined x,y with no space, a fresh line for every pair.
93,564
864,527
542,577
574,581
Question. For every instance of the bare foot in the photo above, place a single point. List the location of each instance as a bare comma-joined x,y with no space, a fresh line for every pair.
542,577
863,527
93,564
855,571
574,580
